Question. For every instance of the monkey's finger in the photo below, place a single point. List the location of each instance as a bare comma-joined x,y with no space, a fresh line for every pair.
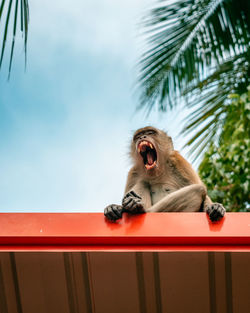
127,195
221,208
132,205
126,202
106,211
137,204
131,198
209,210
222,211
129,206
110,216
134,194
117,210
126,199
138,209
131,194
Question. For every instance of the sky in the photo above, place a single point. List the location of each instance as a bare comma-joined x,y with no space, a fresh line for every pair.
66,121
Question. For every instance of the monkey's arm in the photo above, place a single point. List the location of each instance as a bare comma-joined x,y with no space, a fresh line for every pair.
137,195
189,199
215,210
186,199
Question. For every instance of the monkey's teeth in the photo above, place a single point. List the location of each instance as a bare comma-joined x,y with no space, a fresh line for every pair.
143,144
148,167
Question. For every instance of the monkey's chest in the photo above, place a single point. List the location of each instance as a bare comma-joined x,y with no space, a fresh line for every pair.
158,192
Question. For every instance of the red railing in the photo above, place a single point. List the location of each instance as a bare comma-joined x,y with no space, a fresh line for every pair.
145,232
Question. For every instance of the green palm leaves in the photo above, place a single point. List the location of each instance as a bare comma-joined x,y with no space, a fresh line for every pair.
197,50
13,11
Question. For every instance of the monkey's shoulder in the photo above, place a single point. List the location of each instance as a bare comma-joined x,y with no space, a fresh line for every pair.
182,169
133,173
133,178
177,160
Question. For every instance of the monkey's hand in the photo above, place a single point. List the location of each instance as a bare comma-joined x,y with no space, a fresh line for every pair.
132,203
113,212
215,211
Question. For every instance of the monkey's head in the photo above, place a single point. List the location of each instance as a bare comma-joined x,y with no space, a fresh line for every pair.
149,149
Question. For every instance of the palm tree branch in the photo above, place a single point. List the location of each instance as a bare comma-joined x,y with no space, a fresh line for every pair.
5,32
210,9
24,20
185,44
14,36
1,8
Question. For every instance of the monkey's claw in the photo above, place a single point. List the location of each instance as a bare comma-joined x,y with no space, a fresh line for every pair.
216,211
113,212
132,203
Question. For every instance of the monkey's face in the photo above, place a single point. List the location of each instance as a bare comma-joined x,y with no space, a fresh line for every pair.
149,147
145,147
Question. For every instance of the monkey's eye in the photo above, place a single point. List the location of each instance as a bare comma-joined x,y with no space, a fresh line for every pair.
151,132
146,132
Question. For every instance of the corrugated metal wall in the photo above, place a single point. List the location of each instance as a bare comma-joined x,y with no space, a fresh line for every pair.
129,282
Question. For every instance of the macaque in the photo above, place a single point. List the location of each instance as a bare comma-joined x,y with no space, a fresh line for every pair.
161,180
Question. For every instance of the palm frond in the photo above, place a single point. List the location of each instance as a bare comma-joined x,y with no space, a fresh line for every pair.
5,32
185,39
14,36
10,13
197,52
209,97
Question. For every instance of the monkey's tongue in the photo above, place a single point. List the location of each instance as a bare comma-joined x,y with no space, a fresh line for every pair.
150,158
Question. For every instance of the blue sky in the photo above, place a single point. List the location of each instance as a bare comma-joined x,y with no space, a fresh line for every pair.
65,123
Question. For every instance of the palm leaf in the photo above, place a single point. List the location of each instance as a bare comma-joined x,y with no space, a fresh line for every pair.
24,20
5,32
14,36
196,49
209,99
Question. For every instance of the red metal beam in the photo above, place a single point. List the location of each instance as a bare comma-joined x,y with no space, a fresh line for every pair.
146,232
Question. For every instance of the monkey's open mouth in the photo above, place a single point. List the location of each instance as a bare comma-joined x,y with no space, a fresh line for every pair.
148,153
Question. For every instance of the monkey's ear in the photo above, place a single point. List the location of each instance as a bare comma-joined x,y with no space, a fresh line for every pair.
171,142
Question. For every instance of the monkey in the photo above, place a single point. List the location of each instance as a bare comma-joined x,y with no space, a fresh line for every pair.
161,180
